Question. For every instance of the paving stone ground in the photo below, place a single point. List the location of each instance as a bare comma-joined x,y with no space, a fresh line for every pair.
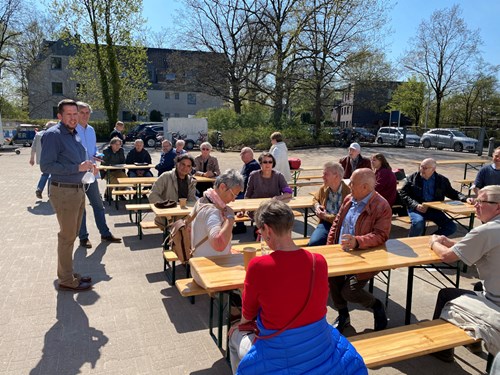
133,321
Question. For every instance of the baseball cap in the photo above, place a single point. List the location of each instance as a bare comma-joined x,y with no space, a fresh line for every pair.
355,146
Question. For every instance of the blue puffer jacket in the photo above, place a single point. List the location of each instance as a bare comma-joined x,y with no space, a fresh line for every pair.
317,348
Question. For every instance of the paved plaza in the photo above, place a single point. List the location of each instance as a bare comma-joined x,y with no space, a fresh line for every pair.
133,321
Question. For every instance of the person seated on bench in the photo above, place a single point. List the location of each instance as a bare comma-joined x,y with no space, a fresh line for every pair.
139,155
215,220
386,184
489,174
114,155
354,160
481,246
427,186
205,165
327,201
174,184
286,293
363,221
167,158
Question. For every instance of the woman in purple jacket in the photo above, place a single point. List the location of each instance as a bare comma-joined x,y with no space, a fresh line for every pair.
386,184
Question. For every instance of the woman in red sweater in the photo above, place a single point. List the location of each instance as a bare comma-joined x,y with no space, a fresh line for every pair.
386,184
287,292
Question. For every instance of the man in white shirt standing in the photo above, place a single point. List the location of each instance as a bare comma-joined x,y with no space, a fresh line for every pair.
88,139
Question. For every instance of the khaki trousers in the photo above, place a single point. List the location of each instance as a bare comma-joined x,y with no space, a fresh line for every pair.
68,204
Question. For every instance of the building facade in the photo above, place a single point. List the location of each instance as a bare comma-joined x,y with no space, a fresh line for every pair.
174,90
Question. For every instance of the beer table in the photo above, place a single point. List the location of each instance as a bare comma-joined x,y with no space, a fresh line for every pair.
455,210
225,273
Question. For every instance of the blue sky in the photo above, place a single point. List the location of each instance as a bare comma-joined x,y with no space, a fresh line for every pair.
405,17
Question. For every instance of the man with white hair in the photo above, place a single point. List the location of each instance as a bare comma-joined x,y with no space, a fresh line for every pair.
354,160
141,156
428,186
481,246
167,158
179,147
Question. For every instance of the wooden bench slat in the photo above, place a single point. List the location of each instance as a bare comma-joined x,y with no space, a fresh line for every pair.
188,288
138,207
396,344
403,219
298,241
127,192
149,225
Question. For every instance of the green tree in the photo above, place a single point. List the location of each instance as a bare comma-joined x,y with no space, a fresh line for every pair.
110,64
409,99
443,50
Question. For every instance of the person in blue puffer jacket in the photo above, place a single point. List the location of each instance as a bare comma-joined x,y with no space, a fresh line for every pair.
287,292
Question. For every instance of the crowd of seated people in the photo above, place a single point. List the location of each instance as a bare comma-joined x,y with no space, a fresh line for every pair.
356,216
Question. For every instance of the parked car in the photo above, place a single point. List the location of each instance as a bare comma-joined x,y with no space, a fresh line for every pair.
394,136
24,135
362,135
448,138
132,135
149,134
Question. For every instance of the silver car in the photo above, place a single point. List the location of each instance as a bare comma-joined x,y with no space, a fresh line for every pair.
394,136
448,138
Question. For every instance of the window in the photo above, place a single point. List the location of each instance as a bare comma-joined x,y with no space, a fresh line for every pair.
176,96
191,99
167,115
167,95
57,88
55,63
54,112
170,76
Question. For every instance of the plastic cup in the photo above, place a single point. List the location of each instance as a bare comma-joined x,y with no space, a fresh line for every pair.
183,202
248,254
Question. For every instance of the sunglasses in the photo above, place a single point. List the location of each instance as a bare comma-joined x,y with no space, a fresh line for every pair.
267,162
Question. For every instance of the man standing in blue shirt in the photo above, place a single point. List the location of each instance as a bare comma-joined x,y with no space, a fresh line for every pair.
64,158
167,158
88,138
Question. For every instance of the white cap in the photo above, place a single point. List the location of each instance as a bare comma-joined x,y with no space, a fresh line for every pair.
355,146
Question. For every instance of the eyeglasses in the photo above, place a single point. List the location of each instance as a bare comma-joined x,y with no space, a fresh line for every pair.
267,162
234,195
480,202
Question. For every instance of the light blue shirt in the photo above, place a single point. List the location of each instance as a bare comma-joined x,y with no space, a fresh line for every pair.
349,224
89,141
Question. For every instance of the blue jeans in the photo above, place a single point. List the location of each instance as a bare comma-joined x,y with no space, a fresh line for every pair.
43,180
320,234
95,200
445,225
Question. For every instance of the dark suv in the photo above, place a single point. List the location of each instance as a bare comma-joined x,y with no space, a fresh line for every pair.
132,135
149,133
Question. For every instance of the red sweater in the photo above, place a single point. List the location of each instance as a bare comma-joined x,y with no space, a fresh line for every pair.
278,285
386,184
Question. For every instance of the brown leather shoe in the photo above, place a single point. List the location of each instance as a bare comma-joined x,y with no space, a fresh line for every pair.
80,287
111,238
86,243
85,279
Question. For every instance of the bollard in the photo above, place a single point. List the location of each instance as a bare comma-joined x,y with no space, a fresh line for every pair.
491,146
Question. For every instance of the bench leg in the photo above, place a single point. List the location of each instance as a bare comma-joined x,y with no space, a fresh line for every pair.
409,291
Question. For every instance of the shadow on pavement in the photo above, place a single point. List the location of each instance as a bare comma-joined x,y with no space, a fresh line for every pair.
41,208
221,367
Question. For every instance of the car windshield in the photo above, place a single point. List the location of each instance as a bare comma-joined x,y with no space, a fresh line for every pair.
456,133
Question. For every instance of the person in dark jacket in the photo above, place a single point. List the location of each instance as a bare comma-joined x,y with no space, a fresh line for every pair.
118,131
354,160
114,155
139,155
167,158
428,186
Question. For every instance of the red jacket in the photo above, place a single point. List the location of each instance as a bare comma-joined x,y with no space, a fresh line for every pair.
372,227
346,164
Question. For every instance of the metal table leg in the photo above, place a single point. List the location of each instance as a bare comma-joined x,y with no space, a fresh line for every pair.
409,292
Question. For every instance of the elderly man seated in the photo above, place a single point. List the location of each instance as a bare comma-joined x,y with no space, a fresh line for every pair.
481,246
428,186
174,184
354,160
167,158
139,155
363,221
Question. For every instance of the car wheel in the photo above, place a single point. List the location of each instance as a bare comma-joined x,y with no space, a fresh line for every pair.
189,145
426,143
380,141
151,142
457,147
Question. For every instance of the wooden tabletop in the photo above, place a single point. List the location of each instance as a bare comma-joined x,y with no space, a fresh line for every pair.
237,205
304,169
125,166
137,180
227,272
456,161
204,179
452,207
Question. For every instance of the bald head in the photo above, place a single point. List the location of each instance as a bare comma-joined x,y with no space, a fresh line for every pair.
246,155
362,183
427,168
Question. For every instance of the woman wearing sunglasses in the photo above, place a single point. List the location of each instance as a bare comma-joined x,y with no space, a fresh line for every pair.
267,182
